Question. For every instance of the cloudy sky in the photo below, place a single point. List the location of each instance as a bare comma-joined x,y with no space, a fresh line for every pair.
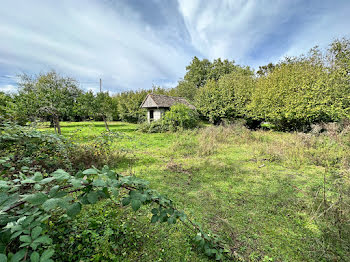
132,44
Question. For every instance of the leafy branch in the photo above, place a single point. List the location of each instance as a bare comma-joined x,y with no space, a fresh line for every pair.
28,202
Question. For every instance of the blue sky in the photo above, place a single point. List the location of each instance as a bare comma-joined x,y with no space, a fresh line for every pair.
132,44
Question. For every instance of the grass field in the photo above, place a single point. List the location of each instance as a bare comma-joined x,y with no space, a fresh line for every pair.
260,191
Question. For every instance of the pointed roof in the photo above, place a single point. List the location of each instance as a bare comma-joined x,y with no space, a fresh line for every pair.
153,100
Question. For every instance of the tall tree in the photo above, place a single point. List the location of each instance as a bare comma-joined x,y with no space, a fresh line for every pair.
48,95
103,107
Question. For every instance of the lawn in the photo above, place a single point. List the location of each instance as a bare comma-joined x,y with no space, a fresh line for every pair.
243,185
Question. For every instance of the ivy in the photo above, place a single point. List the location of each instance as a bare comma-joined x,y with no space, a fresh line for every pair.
28,202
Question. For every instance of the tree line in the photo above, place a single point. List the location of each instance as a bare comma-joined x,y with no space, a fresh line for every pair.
291,94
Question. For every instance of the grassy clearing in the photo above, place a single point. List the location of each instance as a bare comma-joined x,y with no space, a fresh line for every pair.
261,191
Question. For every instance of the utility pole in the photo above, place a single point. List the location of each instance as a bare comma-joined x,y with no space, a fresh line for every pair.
100,85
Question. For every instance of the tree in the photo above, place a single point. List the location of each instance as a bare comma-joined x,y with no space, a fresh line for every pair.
7,107
48,95
294,95
103,107
84,105
265,70
226,98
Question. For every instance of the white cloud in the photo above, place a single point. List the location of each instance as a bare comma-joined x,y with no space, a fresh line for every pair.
238,29
86,40
8,88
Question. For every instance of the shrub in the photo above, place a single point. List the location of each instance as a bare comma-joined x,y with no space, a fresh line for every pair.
36,150
180,117
153,127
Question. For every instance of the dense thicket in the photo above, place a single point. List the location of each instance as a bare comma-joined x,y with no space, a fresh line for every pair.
291,94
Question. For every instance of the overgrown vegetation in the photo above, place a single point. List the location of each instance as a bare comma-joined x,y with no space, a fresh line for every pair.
271,196
33,198
178,118
291,95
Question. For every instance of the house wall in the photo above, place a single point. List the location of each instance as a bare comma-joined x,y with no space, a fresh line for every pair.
157,114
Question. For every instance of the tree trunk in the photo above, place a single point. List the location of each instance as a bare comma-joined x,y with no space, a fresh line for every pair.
52,124
106,125
57,124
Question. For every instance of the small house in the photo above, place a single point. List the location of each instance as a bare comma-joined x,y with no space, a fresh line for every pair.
158,104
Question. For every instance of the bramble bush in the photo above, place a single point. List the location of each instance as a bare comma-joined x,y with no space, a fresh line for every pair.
36,203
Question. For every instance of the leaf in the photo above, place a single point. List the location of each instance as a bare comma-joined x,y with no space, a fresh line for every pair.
135,204
154,211
60,175
37,176
154,219
34,257
76,183
46,180
126,201
19,255
74,209
92,197
46,255
25,238
90,171
36,232
99,182
171,220
43,240
3,258
53,190
50,204
115,192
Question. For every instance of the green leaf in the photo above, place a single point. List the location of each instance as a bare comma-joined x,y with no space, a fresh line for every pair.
115,192
34,257
43,240
19,255
135,204
36,199
99,182
126,201
154,219
154,211
171,220
90,171
92,197
36,232
76,183
74,209
50,204
3,184
3,258
47,180
54,190
60,175
38,176
25,238
46,255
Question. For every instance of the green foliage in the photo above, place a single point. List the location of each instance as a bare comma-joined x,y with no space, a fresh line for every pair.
293,96
7,108
180,117
47,95
226,98
27,147
29,201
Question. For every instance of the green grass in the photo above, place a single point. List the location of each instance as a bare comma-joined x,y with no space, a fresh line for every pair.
241,188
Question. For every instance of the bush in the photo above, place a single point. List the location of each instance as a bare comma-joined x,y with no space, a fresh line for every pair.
153,127
180,117
36,150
